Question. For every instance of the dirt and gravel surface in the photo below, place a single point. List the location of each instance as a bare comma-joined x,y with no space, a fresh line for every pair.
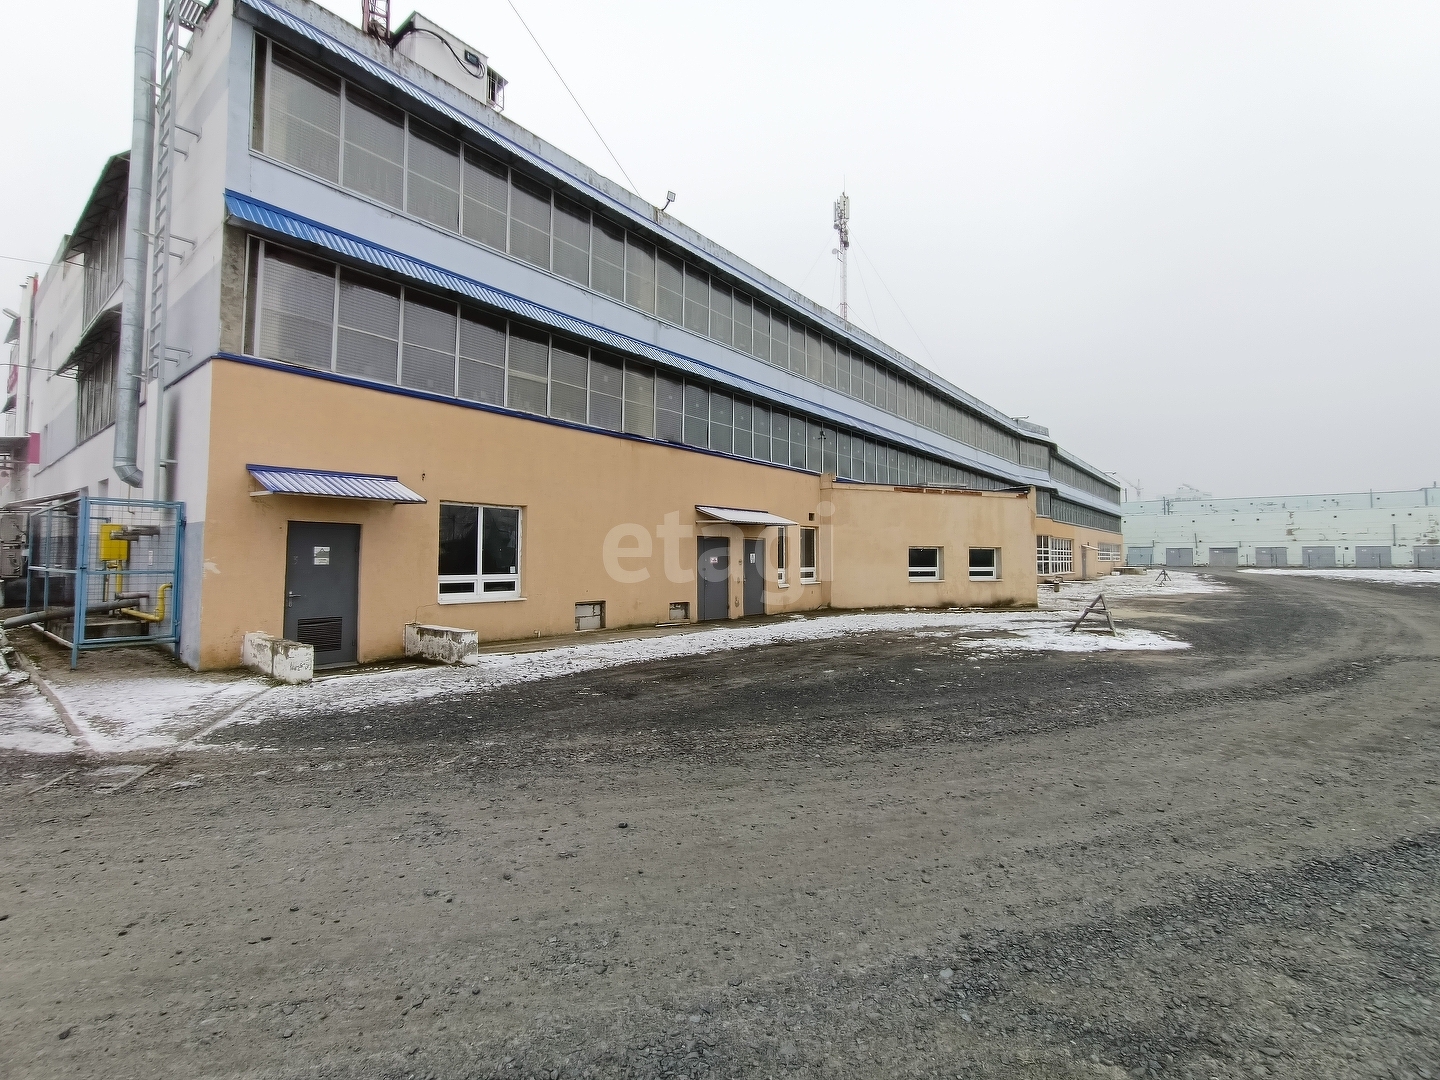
872,856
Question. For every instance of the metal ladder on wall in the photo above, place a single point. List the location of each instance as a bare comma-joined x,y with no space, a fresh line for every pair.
180,16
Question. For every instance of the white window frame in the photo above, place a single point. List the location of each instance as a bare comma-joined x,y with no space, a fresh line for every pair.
781,556
1054,555
479,580
809,575
984,573
926,574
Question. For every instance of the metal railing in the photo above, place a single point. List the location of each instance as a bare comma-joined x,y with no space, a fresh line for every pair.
106,572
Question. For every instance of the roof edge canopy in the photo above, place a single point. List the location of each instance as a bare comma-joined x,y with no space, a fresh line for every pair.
327,484
735,516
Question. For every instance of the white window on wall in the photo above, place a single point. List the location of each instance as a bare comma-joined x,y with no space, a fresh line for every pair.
1054,555
984,564
808,573
927,564
479,552
1109,553
780,538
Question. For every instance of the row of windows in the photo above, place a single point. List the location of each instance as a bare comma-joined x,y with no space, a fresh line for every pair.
480,551
1059,509
95,392
1066,473
1054,555
316,314
104,262
928,564
318,122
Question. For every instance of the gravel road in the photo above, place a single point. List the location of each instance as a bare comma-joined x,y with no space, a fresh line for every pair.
872,856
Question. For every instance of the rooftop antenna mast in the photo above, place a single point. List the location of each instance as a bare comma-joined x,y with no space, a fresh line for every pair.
842,226
375,18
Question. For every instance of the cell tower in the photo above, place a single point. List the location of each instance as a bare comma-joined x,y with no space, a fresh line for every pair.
375,18
842,226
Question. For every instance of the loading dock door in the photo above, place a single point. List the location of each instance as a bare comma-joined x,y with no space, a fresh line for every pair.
1317,558
712,575
754,577
322,589
1427,556
1372,557
1179,556
1139,556
1271,556
1224,556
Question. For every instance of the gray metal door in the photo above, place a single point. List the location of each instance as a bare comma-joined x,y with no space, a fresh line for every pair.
1139,556
1179,556
1271,556
1224,556
322,589
1372,557
1317,558
1427,556
755,577
712,573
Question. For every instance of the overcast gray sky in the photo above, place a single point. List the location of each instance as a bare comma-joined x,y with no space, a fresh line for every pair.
1201,242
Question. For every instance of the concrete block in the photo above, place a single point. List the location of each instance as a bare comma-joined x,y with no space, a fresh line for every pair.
444,644
279,659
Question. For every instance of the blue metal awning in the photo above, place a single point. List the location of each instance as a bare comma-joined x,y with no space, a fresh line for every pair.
277,480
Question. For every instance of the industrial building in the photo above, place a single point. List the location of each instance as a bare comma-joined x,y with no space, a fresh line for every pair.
1361,529
394,359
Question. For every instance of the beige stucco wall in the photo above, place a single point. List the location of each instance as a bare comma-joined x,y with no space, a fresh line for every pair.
574,487
874,527
1087,547
604,518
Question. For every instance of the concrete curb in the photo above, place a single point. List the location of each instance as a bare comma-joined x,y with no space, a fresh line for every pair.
41,684
216,723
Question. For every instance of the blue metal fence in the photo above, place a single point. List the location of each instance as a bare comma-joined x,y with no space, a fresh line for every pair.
111,571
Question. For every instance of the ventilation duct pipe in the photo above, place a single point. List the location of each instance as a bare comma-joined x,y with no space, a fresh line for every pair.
137,245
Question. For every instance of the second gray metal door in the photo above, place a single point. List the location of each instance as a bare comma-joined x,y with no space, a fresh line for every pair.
1372,557
1271,556
754,577
1224,556
1179,556
712,575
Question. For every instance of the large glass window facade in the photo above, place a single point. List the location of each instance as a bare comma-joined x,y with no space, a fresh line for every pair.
313,313
315,121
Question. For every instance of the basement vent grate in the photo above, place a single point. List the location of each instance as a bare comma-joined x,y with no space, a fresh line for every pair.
323,634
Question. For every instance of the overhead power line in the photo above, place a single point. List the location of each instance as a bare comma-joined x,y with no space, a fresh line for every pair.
633,186
881,278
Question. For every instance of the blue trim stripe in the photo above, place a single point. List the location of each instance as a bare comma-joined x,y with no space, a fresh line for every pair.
284,223
480,406
273,219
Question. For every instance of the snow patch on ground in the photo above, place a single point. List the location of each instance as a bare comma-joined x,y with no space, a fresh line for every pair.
1117,587
29,723
134,700
149,711
1386,576
982,632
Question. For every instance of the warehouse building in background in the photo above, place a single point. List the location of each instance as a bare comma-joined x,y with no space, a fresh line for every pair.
417,365
1361,529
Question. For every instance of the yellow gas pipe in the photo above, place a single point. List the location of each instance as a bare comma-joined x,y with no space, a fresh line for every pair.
158,615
